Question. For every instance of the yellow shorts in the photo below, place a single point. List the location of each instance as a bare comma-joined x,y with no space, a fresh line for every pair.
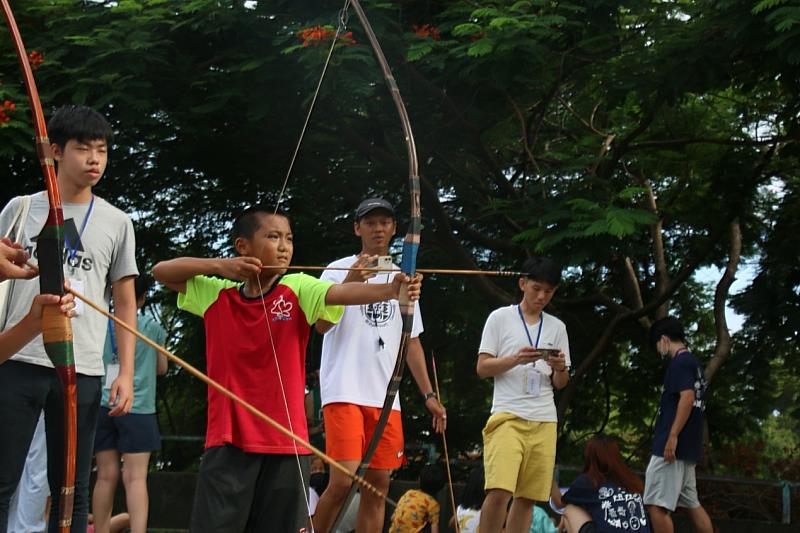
519,456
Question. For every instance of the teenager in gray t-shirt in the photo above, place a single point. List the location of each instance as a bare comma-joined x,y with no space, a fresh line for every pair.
103,254
99,261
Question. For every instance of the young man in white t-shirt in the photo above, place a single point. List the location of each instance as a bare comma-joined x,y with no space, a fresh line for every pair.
358,357
519,439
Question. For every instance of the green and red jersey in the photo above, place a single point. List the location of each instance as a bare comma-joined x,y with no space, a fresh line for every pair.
254,358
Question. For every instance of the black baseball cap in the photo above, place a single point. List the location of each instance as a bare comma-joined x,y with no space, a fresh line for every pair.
370,204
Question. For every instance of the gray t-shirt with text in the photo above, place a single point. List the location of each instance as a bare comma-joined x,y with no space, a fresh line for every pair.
103,253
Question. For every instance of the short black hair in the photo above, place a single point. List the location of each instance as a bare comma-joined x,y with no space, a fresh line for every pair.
542,269
669,326
248,221
431,479
142,285
79,123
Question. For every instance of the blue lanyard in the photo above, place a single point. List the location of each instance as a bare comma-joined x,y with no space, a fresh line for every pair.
73,250
528,333
113,339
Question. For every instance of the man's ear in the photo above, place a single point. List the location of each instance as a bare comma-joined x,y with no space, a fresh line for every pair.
58,154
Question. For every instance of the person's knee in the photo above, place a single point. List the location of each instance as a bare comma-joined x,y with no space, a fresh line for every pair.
133,477
497,497
338,488
108,473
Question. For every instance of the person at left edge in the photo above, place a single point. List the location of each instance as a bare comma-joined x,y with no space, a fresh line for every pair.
99,261
252,477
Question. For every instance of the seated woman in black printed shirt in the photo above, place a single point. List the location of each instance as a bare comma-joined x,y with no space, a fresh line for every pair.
607,496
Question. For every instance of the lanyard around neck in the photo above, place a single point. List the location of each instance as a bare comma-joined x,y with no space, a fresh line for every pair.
527,332
73,250
112,338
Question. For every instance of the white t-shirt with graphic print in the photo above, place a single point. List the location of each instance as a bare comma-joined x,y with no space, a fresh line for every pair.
503,336
359,353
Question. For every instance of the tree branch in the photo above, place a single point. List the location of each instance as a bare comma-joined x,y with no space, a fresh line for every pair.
724,344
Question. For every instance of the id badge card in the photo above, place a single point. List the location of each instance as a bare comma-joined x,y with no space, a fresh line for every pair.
112,372
533,382
77,284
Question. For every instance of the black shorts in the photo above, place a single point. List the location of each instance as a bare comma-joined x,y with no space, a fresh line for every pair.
588,527
131,433
239,491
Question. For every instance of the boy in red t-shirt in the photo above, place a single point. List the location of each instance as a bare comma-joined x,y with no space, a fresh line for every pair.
257,329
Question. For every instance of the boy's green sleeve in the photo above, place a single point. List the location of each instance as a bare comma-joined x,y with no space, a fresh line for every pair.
201,292
311,293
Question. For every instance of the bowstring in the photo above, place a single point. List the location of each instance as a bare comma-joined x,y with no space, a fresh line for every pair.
341,26
306,496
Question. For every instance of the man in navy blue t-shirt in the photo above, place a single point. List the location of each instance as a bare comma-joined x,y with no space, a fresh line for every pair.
678,440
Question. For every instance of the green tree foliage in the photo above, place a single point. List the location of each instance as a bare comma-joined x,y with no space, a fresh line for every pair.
635,142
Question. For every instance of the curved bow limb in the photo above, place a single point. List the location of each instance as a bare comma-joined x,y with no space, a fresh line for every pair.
56,328
410,247
222,390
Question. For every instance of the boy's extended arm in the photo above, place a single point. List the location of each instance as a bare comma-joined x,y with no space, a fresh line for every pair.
121,393
176,272
367,293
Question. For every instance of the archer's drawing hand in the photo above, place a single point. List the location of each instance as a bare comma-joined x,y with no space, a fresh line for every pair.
240,268
360,276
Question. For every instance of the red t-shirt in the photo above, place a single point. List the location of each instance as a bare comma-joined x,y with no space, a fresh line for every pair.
252,357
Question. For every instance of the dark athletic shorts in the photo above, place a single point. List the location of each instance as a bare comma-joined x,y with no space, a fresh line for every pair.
588,527
250,492
131,433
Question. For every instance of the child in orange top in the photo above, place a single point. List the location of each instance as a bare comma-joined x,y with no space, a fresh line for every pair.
419,508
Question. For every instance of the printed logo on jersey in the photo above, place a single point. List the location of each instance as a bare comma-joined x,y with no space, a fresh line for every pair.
281,310
378,314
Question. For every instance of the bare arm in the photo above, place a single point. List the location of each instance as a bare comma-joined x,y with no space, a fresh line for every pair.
175,272
121,394
419,370
323,326
684,409
490,366
15,338
353,276
161,364
366,293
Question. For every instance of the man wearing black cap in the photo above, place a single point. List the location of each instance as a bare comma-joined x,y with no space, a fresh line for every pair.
358,357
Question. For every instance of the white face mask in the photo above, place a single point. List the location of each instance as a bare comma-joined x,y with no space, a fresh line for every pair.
663,353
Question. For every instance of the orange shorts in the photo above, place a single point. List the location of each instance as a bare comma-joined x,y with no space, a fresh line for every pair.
349,427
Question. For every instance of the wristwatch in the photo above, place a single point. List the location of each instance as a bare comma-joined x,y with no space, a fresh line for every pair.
430,395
